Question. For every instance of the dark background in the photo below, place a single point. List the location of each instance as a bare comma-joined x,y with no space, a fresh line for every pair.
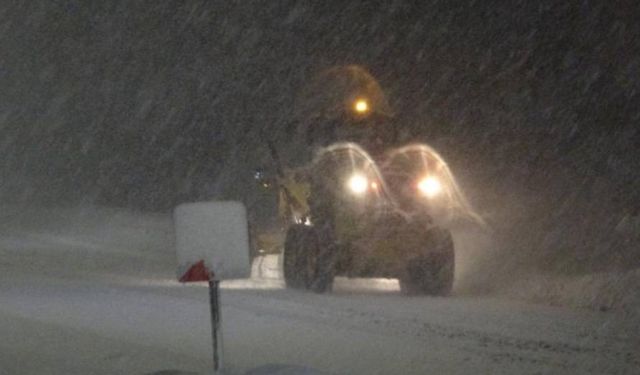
145,104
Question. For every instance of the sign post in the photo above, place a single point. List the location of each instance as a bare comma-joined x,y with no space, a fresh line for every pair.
216,332
212,244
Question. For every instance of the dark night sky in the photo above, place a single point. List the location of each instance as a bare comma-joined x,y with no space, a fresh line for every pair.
146,104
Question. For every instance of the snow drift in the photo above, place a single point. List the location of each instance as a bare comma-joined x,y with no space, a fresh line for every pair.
124,242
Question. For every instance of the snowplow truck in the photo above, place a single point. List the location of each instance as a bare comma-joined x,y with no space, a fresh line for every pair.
358,209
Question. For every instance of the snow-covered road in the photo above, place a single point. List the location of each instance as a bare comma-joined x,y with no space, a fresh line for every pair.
151,325
61,313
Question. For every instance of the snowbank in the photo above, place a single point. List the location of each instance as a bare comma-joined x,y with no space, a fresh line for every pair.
87,228
601,291
123,242
482,267
86,240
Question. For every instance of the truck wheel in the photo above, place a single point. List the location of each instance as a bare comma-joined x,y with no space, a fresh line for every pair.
432,271
322,262
300,252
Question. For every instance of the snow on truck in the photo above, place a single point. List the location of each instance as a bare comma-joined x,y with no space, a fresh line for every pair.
364,207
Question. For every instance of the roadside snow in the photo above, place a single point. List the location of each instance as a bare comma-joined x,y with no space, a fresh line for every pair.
115,307
41,347
599,292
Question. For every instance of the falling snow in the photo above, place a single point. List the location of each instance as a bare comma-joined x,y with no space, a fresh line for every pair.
533,106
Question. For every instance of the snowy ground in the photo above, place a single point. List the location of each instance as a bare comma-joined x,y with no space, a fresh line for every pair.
92,292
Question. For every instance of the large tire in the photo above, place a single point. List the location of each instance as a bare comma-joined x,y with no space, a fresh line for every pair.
431,272
300,253
323,263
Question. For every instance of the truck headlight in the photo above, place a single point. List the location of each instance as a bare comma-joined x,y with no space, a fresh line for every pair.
358,184
361,106
430,186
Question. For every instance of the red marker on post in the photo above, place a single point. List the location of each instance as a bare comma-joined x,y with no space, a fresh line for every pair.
212,244
198,273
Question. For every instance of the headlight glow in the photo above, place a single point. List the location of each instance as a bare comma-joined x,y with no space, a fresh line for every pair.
361,106
358,184
430,186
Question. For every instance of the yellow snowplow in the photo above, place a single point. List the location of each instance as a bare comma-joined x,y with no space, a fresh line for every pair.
364,207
